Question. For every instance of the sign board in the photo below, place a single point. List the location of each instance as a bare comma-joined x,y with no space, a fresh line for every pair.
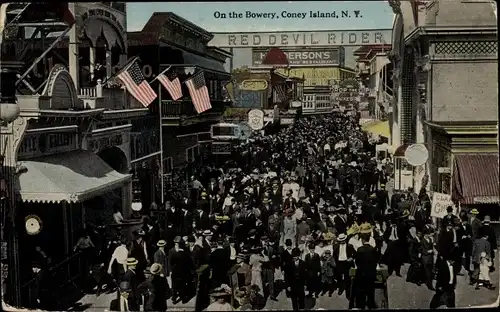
439,203
102,13
221,148
256,119
302,57
248,99
302,38
416,154
39,143
254,85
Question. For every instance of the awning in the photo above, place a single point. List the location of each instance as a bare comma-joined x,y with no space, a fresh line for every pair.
378,127
71,177
475,179
203,62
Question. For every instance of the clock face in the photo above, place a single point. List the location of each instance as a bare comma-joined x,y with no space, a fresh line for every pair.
33,225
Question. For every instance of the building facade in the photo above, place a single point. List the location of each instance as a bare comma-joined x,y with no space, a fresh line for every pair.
446,98
72,150
169,41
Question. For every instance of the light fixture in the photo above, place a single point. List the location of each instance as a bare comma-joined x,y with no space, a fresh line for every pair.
9,110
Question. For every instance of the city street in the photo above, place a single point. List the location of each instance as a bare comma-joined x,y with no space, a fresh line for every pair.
402,295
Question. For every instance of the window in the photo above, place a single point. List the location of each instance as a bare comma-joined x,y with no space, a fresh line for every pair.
192,153
217,90
168,165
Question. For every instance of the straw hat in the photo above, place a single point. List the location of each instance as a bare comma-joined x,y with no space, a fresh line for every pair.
207,233
474,211
342,237
354,229
132,261
487,219
365,228
221,291
155,269
161,243
328,236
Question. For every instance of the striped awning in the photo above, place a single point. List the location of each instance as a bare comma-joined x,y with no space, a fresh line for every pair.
475,179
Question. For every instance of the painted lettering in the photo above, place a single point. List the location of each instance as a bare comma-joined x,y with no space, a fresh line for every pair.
284,39
352,37
272,39
378,37
231,40
244,40
256,40
331,38
364,37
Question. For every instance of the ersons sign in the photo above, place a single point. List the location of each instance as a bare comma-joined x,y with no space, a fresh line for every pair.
302,57
302,39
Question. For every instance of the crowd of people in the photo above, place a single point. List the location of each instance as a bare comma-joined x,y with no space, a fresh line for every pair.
304,210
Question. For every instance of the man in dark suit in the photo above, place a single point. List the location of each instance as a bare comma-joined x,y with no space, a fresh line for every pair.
447,241
446,281
449,218
187,222
179,262
464,232
161,258
286,255
276,196
313,265
492,239
295,276
428,257
340,221
382,201
173,220
421,218
131,278
195,252
290,202
343,254
202,220
268,267
156,289
475,223
366,259
124,302
220,263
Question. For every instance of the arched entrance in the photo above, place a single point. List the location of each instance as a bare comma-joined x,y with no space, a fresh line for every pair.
115,158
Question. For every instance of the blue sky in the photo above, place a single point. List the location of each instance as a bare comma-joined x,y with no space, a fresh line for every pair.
375,15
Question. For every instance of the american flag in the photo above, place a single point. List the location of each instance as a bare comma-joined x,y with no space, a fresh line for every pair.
280,92
136,85
199,92
173,86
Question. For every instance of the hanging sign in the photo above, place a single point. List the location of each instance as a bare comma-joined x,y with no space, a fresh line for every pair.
256,119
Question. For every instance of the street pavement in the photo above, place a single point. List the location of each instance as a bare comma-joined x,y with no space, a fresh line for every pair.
402,295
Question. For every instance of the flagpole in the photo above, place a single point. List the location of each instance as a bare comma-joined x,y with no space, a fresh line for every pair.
168,68
162,186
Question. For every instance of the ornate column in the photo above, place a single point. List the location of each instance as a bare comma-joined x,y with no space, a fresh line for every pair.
108,62
12,129
92,62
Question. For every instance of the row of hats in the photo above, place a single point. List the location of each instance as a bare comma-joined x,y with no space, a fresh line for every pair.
364,228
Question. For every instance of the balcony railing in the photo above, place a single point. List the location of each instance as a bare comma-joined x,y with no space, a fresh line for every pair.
185,108
111,98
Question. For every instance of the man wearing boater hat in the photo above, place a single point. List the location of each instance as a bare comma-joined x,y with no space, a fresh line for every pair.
161,257
366,259
343,254
132,279
156,288
124,302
